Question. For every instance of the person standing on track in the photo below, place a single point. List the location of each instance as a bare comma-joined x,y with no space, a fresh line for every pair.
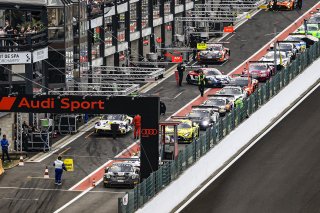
5,147
137,126
181,68
299,4
201,82
59,167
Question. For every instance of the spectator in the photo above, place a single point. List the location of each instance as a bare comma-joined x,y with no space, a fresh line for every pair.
2,35
5,147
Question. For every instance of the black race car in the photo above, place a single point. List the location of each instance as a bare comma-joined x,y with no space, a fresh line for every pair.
203,116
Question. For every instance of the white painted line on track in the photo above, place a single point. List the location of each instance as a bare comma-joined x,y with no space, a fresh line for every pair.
246,149
177,95
230,37
73,200
39,189
89,135
22,199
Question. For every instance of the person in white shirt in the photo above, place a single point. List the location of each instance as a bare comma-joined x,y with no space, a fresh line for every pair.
59,167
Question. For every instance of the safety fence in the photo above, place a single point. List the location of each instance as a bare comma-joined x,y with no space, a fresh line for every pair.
169,171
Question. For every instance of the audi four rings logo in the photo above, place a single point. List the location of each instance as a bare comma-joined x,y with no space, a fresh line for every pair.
148,132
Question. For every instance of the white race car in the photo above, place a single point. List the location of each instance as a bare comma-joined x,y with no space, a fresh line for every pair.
104,125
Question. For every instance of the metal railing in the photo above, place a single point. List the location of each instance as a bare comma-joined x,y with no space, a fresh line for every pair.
169,171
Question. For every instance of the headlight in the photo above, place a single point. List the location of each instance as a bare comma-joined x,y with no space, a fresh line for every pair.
205,123
134,176
187,134
221,110
108,176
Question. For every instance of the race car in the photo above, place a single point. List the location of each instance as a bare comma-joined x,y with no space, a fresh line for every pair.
283,59
104,125
221,104
121,174
284,4
298,41
188,131
248,84
287,47
214,78
259,71
312,29
214,53
314,19
235,91
204,117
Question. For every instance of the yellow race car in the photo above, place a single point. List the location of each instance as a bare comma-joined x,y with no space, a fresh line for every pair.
188,131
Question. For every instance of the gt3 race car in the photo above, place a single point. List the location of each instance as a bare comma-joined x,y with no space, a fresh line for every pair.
284,4
283,59
259,71
222,104
104,125
249,85
204,117
235,91
121,174
187,130
214,53
214,78
312,29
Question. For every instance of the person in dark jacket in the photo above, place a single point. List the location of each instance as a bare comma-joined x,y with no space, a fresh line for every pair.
163,108
201,82
299,4
181,68
5,148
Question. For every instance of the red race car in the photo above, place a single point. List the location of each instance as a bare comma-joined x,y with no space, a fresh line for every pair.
260,71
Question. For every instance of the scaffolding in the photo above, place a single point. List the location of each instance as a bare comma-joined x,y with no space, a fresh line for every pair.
19,128
98,89
104,74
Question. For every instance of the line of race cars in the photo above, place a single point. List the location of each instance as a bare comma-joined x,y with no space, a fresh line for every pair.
234,90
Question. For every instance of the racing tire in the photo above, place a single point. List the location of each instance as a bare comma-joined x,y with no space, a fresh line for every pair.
188,79
106,185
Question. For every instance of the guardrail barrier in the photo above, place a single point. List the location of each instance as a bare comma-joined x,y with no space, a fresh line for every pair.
169,171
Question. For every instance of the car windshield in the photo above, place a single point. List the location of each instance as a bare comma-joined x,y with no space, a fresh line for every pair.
270,55
257,67
314,19
293,38
121,168
212,72
215,102
112,117
283,1
214,48
285,46
312,27
184,126
198,113
231,91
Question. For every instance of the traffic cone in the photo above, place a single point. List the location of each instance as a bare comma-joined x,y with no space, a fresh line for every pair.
21,163
94,182
46,173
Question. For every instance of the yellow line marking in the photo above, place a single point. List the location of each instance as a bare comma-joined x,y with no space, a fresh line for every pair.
88,135
64,151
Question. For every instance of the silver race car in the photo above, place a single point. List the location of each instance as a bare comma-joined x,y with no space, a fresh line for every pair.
121,174
104,125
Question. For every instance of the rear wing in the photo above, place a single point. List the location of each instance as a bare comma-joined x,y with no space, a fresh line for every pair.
179,117
221,95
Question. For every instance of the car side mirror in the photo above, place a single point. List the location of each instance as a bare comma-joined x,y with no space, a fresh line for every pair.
106,170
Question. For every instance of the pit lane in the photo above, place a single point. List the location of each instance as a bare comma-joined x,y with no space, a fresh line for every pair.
257,30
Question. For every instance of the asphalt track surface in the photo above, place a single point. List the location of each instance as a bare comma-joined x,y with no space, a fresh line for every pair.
280,173
90,151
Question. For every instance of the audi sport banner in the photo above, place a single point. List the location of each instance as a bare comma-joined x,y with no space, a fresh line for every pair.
78,104
147,107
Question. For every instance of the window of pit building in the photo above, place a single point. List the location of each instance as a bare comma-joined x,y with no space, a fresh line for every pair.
96,43
167,7
108,31
156,9
177,2
121,29
145,14
133,17
56,24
